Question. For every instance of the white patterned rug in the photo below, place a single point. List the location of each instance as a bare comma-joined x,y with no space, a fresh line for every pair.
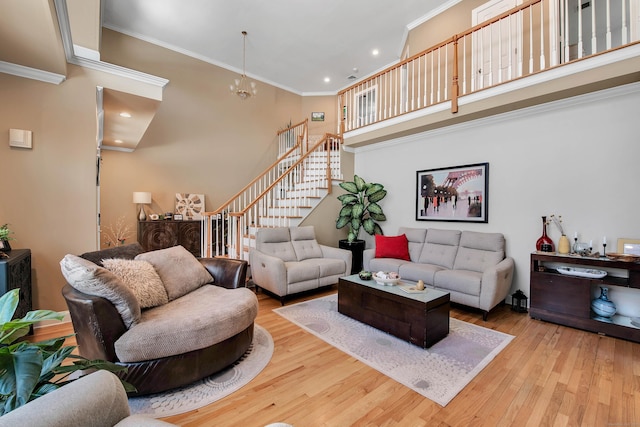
215,387
438,373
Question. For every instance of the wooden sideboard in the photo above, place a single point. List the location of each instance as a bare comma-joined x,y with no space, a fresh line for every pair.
161,234
15,273
566,300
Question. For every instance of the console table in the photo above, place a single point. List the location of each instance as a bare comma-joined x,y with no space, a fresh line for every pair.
15,273
161,234
566,300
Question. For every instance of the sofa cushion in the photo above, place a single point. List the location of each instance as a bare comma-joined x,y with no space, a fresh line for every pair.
416,237
204,317
91,279
141,278
416,271
479,251
440,247
304,243
300,271
392,247
463,281
386,264
276,242
330,266
179,270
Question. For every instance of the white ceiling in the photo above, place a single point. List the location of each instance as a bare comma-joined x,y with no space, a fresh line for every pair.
293,45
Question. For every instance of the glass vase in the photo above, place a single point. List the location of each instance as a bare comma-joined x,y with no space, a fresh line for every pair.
602,306
563,245
544,243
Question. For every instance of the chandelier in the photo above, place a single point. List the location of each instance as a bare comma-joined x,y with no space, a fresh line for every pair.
242,86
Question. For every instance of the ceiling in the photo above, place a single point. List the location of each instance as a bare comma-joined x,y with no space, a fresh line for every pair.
293,45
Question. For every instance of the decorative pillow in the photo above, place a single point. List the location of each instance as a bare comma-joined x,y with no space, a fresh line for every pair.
141,278
92,279
179,270
392,247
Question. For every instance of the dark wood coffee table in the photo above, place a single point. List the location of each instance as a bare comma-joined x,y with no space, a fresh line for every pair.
420,318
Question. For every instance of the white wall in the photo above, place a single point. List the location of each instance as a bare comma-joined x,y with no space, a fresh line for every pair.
578,158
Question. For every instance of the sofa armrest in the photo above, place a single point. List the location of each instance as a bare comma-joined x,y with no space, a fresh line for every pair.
227,273
496,283
268,272
367,256
337,253
97,324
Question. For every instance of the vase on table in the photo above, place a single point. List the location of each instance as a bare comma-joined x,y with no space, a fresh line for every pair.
602,306
544,243
563,245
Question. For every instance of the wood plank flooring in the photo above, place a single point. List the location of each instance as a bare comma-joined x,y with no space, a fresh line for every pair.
549,375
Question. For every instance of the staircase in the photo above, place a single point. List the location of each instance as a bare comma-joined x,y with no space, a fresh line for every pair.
282,196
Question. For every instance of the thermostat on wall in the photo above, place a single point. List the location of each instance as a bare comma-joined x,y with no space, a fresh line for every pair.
20,138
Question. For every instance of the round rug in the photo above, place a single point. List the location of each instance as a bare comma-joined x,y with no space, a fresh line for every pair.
210,389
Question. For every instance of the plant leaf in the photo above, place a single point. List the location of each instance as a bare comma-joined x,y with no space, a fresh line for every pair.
369,225
346,211
377,196
349,186
342,221
378,217
360,184
373,188
347,198
374,208
8,304
378,230
20,373
357,210
355,225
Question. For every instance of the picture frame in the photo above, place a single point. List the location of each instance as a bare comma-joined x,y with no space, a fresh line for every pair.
189,205
177,217
457,194
317,117
629,246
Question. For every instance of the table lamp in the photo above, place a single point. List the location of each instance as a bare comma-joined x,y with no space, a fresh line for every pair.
142,198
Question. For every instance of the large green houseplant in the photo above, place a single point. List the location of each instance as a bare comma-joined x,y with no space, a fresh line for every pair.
29,370
360,208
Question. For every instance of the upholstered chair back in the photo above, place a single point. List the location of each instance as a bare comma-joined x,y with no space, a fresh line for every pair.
304,243
479,251
415,237
440,247
276,242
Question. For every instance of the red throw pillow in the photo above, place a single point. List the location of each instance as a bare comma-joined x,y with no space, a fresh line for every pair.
392,247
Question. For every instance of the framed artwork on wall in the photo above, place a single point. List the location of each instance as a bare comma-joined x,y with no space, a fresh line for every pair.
317,117
189,205
459,193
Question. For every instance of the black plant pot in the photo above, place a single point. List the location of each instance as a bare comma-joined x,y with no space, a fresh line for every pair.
357,248
5,246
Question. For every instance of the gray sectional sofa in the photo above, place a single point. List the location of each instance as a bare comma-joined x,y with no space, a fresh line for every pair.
289,260
470,265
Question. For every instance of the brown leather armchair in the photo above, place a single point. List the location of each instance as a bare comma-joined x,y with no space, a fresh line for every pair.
98,326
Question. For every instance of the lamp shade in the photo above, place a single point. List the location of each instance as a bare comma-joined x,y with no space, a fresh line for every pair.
142,197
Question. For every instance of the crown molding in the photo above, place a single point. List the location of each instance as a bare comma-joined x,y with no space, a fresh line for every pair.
31,73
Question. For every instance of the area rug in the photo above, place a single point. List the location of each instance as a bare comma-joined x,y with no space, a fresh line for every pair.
213,388
438,373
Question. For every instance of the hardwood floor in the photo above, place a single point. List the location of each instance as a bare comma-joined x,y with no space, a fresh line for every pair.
549,375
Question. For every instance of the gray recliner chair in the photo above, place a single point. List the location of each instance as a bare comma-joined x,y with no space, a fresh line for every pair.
289,260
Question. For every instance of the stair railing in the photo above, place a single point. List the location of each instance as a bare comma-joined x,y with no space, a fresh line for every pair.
271,199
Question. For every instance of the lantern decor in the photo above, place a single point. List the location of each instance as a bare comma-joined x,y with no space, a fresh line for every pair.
519,302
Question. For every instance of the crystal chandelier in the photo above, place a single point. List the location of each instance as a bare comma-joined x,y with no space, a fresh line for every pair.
242,86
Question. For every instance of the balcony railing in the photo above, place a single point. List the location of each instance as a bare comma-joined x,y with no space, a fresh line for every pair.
533,37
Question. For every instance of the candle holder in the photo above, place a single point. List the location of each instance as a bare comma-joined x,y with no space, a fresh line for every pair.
604,250
575,245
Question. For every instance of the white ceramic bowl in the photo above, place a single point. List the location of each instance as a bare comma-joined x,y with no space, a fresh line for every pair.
386,282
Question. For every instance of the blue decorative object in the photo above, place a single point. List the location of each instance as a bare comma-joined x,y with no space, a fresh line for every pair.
603,307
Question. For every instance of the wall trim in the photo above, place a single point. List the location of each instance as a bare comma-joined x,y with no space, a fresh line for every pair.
31,73
508,116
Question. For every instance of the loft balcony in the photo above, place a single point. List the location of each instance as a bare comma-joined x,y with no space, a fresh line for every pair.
537,52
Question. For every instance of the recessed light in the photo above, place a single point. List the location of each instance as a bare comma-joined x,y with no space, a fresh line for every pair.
375,52
125,114
118,141
327,79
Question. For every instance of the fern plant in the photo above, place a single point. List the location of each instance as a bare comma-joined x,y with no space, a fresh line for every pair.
30,370
360,208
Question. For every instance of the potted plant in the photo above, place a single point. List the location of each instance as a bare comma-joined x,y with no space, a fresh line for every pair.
29,370
5,237
360,209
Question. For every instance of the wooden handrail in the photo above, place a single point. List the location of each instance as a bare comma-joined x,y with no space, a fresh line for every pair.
281,131
291,168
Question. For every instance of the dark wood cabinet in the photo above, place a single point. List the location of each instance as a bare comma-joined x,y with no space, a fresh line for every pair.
566,300
161,234
15,273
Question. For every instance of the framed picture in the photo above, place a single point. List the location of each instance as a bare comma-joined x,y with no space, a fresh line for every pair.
177,217
189,205
629,246
317,117
459,193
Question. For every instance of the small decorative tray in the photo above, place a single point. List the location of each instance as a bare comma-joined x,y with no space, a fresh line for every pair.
582,272
624,257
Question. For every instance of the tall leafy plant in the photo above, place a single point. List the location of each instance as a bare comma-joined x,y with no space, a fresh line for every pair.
360,208
30,370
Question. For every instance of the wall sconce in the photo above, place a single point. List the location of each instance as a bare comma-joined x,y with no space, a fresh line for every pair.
142,198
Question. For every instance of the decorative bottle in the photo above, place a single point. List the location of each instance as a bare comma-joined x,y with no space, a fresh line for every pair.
602,306
544,243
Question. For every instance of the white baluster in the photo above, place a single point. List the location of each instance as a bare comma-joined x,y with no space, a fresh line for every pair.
608,2
543,62
594,39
